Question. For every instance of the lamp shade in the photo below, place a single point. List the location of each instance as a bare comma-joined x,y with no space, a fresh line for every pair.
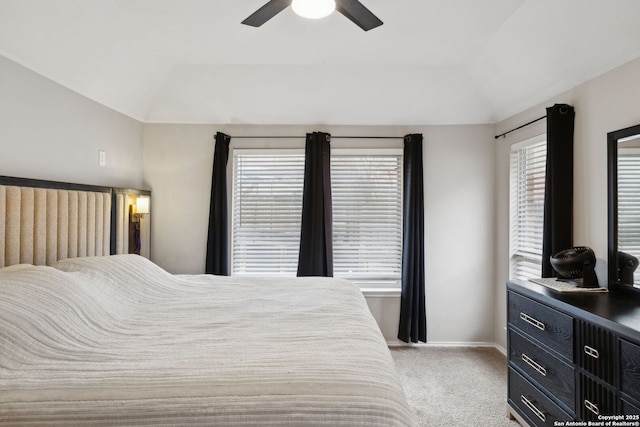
313,9
142,205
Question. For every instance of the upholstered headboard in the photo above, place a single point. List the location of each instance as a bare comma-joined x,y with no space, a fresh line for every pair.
42,222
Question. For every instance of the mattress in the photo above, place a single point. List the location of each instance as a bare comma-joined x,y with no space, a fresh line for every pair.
118,341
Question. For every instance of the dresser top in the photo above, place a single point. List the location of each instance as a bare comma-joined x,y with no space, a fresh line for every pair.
617,310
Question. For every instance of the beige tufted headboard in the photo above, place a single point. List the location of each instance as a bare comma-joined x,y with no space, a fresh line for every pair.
42,222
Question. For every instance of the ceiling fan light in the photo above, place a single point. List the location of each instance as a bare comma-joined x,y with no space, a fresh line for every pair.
313,9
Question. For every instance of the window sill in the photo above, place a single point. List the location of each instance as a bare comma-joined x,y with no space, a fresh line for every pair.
381,292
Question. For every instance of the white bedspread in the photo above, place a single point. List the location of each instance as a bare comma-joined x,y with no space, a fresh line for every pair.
119,341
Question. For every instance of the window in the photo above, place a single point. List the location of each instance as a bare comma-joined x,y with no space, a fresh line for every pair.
527,180
267,207
367,214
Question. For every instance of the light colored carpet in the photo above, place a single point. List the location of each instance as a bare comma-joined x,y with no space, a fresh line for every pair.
455,386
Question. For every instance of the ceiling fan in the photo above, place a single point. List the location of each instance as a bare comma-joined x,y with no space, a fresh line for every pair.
352,9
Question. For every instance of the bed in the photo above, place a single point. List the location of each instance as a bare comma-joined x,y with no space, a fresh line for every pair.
115,340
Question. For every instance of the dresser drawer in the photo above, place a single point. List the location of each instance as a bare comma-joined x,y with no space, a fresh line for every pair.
630,369
532,404
543,368
595,350
545,324
595,399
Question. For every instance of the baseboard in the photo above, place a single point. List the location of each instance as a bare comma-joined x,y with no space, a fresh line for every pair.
501,349
449,344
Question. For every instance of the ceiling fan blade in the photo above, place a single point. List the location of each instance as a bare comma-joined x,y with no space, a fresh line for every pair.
358,14
266,12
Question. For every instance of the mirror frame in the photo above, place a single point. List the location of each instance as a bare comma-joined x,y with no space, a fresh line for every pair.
612,190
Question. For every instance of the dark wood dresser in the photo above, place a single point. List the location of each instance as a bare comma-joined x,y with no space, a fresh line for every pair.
572,356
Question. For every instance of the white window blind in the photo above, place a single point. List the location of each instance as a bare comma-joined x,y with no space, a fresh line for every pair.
628,205
267,207
367,216
527,181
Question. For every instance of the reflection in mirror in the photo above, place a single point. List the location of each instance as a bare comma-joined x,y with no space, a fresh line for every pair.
624,208
629,209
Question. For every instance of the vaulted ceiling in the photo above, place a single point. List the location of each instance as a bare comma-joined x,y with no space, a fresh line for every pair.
432,62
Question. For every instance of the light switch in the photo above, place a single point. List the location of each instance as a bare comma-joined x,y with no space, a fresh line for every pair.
102,158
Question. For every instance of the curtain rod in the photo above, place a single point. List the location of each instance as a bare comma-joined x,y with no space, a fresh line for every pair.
520,127
302,137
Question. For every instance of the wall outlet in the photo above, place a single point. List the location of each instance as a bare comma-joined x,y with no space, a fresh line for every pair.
102,158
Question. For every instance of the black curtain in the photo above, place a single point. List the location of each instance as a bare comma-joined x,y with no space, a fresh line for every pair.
413,319
316,244
558,192
218,241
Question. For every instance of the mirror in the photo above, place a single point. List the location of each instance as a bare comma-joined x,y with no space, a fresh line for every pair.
624,208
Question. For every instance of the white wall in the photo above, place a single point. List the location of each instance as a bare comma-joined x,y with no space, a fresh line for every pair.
178,161
602,105
49,132
459,206
459,203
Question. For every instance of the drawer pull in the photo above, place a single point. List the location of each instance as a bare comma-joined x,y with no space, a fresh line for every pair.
530,320
537,412
592,407
590,351
539,368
